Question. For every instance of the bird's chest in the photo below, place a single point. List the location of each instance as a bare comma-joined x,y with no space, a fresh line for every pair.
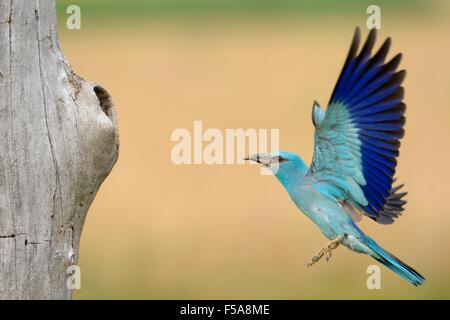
324,212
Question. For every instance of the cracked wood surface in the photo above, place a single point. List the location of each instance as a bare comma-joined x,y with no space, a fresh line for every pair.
58,142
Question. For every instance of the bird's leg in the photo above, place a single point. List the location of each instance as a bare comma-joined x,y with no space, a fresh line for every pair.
325,251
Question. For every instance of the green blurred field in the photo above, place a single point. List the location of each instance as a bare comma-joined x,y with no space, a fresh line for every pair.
157,230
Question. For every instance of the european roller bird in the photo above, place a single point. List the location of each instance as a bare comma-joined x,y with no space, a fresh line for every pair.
356,145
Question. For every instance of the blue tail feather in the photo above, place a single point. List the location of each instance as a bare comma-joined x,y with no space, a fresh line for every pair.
395,264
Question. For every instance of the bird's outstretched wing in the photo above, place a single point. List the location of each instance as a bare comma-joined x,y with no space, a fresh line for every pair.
357,139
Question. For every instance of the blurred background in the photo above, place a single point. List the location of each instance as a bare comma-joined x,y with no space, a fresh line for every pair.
157,230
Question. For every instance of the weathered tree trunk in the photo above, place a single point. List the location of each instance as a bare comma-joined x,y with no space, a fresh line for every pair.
58,142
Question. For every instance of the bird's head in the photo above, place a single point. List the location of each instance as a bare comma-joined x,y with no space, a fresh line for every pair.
286,166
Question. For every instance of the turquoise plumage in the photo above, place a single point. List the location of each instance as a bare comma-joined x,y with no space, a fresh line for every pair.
357,141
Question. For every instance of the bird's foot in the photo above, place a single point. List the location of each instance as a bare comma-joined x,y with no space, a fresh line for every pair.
325,251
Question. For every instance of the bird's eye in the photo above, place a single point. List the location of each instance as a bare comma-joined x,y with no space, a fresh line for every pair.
280,159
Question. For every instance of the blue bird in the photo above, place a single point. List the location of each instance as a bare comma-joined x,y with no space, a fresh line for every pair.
357,141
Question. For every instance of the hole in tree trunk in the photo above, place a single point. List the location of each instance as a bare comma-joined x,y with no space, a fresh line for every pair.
104,98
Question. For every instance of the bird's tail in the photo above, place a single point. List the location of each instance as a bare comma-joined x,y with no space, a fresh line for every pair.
394,263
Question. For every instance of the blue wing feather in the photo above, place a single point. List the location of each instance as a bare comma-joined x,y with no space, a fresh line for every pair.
382,177
388,153
391,145
378,117
378,167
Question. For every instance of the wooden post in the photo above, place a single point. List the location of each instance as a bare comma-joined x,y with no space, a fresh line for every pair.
58,142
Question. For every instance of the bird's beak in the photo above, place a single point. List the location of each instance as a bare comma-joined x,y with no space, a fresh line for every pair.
261,158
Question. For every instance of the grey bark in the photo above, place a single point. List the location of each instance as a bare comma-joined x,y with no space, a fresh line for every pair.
58,142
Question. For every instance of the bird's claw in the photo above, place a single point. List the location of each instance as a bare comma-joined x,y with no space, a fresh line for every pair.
326,251
328,254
